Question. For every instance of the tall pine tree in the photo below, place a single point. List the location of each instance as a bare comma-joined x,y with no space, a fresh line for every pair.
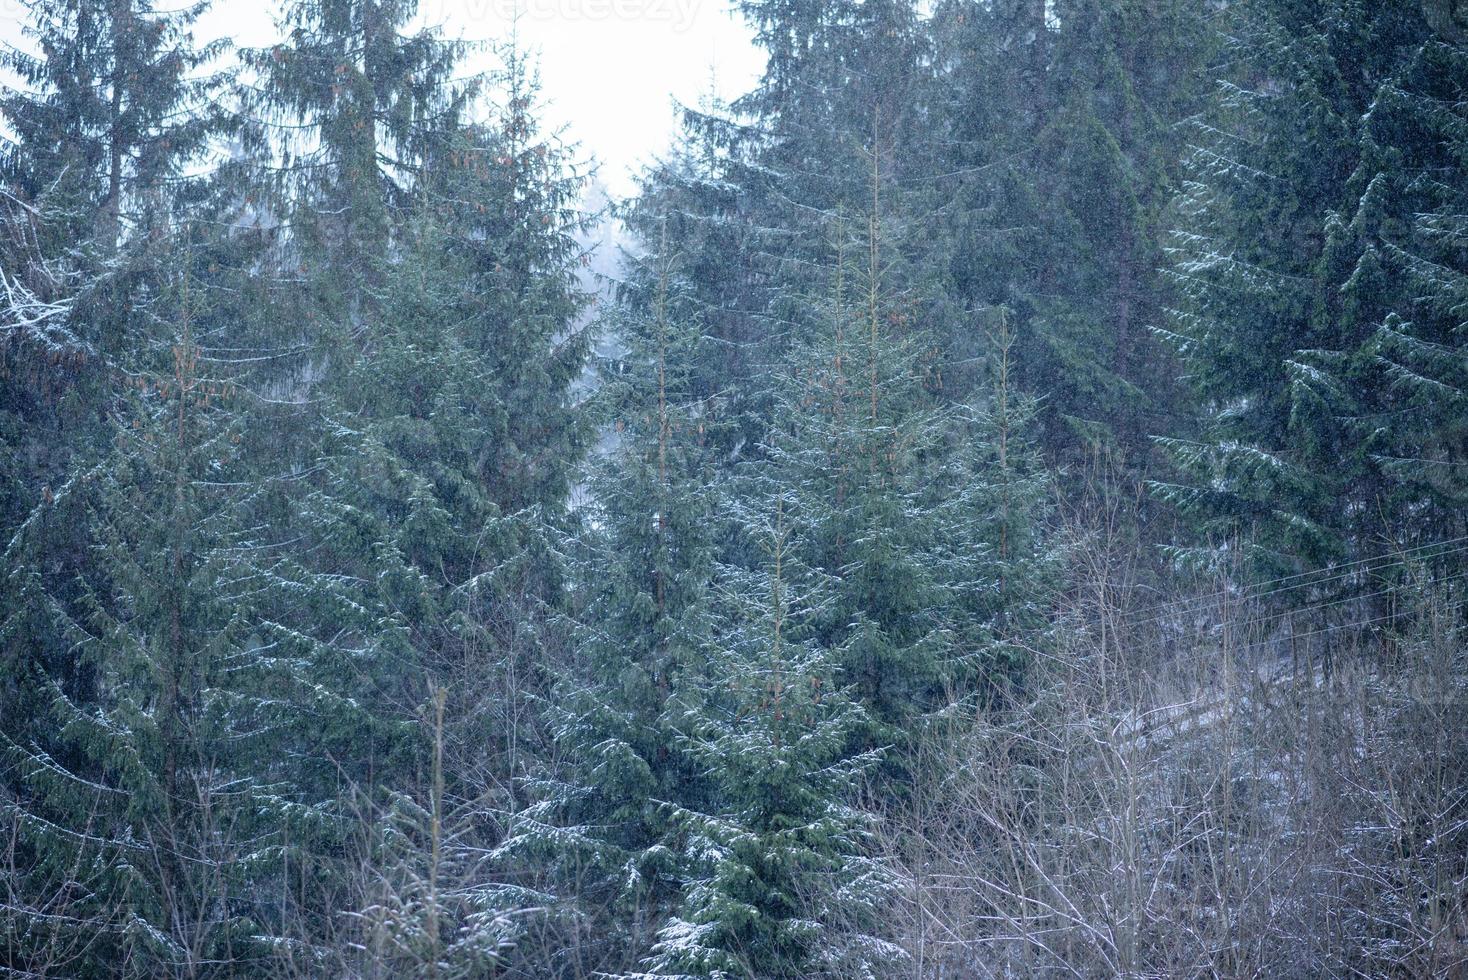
111,111
641,628
779,883
1313,324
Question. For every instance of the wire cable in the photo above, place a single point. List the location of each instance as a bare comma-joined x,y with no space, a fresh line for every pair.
1378,563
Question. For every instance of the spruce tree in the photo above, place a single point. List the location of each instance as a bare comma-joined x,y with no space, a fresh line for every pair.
641,627
111,110
778,879
749,177
916,504
1418,351
1059,123
160,790
350,105
433,912
857,437
1301,260
1016,557
459,439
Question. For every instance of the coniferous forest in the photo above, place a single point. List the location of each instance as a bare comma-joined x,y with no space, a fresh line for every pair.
1001,512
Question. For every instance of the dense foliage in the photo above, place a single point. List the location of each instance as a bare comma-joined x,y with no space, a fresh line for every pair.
383,597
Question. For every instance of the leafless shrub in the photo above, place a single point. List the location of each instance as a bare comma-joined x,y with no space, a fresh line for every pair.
1181,797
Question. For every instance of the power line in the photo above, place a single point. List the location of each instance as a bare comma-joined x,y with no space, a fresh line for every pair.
1272,617
1338,572
1323,629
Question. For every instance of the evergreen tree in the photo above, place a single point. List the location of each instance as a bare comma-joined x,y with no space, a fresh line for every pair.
641,628
858,438
749,178
326,650
351,106
111,111
158,769
434,914
916,505
1312,329
704,210
1012,489
460,441
1059,124
1418,350
779,884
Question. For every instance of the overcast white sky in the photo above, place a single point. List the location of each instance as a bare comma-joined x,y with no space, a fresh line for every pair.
610,68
